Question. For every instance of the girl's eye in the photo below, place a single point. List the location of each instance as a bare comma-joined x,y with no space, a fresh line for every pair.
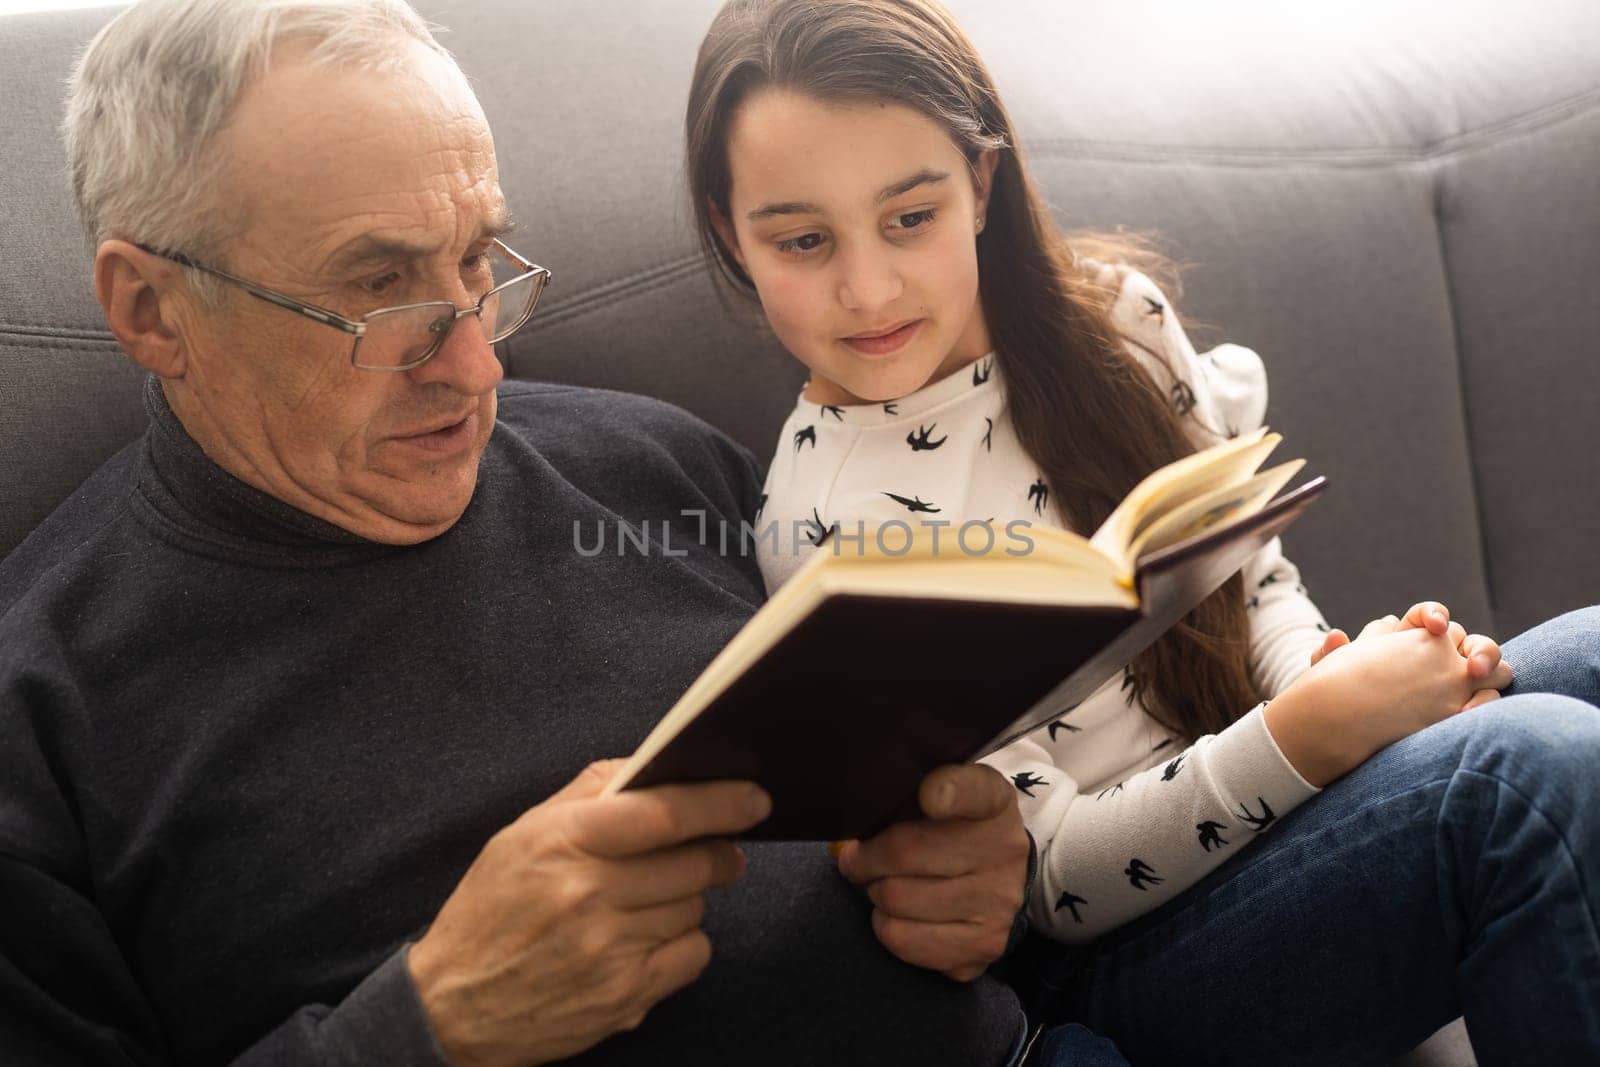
806,242
913,220
380,285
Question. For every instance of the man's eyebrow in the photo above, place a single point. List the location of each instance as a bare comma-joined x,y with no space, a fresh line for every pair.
369,249
801,207
500,225
383,249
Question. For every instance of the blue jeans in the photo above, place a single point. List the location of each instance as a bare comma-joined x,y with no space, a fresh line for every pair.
1456,872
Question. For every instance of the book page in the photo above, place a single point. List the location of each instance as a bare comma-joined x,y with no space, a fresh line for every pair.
1218,507
1176,483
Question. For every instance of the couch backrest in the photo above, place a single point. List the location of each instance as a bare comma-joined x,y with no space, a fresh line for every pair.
1399,209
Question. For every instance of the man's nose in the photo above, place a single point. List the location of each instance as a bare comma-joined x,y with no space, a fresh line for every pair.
465,361
869,279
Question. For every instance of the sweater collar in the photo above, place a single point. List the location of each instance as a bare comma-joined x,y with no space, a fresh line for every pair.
190,489
980,378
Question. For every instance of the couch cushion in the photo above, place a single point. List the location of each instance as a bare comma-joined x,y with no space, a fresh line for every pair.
1522,246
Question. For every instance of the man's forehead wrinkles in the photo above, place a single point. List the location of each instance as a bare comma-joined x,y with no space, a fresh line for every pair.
444,225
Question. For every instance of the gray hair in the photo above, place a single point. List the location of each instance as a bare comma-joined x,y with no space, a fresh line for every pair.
159,81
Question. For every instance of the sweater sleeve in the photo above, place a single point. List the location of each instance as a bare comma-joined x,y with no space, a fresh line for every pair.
1110,856
380,1021
67,996
68,993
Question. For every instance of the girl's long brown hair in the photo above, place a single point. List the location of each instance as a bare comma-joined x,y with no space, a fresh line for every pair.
1088,413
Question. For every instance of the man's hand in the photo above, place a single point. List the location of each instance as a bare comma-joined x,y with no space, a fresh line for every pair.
946,889
578,918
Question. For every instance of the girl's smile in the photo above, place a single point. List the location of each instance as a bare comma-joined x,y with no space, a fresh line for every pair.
882,343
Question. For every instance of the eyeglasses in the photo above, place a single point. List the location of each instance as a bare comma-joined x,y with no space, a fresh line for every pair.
400,338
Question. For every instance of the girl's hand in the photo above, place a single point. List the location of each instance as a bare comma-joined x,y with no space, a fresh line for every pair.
1481,653
1429,615
1388,683
1334,640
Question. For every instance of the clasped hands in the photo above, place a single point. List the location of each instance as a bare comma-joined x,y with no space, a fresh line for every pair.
1482,654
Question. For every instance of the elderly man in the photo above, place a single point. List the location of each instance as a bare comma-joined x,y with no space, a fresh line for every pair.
297,692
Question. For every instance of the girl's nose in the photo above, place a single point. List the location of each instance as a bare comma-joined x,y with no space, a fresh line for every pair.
869,281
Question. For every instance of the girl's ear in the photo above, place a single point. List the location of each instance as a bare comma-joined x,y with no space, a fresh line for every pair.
729,239
983,177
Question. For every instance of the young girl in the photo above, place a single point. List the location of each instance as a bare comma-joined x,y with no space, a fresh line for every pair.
852,166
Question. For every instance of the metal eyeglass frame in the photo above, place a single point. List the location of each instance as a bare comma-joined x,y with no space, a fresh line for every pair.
359,328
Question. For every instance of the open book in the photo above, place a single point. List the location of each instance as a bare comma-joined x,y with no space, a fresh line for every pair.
889,656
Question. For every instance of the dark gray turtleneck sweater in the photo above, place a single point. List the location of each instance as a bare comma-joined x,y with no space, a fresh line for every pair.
245,756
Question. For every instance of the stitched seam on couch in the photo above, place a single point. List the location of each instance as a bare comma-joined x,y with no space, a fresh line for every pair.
1479,502
1574,107
63,338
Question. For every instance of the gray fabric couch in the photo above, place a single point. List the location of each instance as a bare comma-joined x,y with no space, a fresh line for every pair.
1399,209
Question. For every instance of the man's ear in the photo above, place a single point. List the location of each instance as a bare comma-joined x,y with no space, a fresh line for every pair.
129,283
983,177
725,233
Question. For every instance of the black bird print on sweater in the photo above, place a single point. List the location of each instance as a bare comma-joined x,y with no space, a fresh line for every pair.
1038,495
1070,901
891,408
981,369
819,531
1182,397
1141,875
919,439
913,504
833,409
1156,308
1025,781
1210,834
805,435
1257,823
988,434
1059,725
1172,770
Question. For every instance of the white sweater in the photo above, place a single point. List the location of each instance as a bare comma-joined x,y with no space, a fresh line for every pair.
1123,816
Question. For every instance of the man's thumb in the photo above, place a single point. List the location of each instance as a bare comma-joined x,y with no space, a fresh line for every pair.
969,791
